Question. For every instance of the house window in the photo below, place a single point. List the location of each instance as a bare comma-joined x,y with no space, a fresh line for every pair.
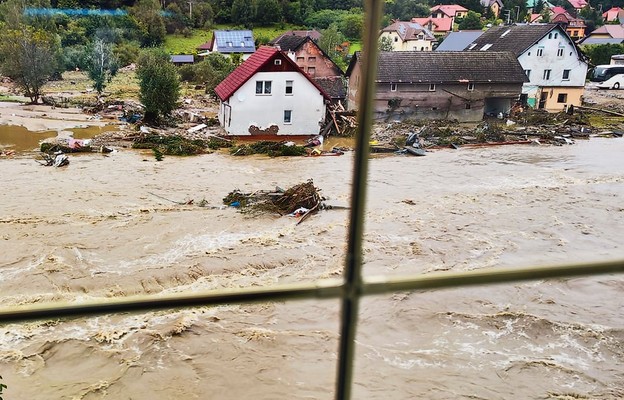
289,87
471,86
540,52
300,59
311,59
550,35
277,62
546,75
396,39
562,98
575,33
311,71
527,72
560,52
287,116
556,34
263,87
432,87
566,75
420,37
393,87
467,106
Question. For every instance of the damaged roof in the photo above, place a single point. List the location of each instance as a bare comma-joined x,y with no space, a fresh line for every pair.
446,67
334,86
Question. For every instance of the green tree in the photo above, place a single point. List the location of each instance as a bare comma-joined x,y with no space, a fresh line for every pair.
330,42
268,12
351,25
29,57
600,54
101,65
150,21
472,21
159,84
385,43
243,12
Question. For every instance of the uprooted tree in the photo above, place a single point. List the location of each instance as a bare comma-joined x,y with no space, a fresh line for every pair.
29,57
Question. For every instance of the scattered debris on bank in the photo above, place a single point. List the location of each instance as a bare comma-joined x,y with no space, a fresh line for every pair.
298,201
270,148
177,145
521,127
57,159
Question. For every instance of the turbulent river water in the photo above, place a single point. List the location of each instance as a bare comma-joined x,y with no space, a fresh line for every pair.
101,228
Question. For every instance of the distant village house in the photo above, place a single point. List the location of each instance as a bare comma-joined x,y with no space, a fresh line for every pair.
229,42
408,36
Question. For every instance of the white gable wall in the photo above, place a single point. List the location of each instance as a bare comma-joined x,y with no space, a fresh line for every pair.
550,60
246,108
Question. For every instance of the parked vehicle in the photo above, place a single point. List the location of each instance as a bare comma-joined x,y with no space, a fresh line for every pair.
615,82
602,73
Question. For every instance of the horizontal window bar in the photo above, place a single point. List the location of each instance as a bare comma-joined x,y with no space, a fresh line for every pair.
324,289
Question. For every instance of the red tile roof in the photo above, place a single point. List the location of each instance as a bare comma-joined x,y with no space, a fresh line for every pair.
439,24
261,58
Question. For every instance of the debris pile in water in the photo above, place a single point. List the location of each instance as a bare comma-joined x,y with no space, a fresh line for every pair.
273,149
299,200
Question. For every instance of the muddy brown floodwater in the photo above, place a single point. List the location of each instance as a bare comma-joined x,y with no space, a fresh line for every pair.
100,228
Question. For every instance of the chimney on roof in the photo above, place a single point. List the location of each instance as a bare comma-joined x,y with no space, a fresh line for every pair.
430,25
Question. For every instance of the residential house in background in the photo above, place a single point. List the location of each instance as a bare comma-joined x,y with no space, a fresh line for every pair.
268,94
606,34
614,14
458,41
229,42
578,4
495,6
409,36
311,33
440,85
452,11
575,27
315,62
555,66
438,26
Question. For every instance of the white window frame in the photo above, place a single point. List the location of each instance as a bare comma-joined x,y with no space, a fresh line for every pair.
432,87
264,87
277,62
288,117
471,86
289,85
393,87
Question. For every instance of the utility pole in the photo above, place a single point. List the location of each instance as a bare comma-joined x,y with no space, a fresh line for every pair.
190,9
517,13
508,12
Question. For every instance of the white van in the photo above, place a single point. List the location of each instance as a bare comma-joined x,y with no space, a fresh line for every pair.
615,82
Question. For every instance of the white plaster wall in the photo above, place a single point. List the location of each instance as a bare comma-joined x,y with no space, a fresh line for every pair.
247,108
537,64
409,45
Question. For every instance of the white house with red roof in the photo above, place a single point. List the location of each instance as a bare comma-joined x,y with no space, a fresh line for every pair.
269,94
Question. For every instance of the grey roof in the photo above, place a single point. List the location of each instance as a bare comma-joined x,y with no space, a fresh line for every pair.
458,41
234,41
591,40
311,33
448,67
289,43
518,39
334,86
183,58
408,30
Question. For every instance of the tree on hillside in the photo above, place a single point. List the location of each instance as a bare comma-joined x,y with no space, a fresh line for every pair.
268,12
408,9
101,64
159,84
600,54
29,57
244,12
472,21
351,25
150,21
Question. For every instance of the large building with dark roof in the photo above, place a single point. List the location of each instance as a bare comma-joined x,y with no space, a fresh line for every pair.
555,66
441,85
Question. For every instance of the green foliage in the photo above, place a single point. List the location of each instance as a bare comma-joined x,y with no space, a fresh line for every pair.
472,21
101,64
351,24
385,43
74,57
407,9
150,22
159,84
272,149
268,12
126,53
244,12
2,387
211,71
29,57
324,18
330,42
600,54
176,145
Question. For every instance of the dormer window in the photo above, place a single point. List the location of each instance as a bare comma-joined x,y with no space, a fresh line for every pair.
471,86
277,62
